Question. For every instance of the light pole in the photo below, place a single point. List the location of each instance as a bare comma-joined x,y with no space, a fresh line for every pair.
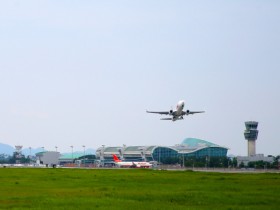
193,164
84,150
142,154
103,158
183,161
209,159
84,154
159,156
29,155
43,148
72,151
56,148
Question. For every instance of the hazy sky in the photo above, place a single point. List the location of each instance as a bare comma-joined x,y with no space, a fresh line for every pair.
84,72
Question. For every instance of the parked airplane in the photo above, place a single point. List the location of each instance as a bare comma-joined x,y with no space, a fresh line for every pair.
124,164
178,113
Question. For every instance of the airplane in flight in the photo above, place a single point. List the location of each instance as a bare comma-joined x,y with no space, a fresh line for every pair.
124,164
178,113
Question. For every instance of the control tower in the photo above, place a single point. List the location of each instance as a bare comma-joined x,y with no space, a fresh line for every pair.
251,135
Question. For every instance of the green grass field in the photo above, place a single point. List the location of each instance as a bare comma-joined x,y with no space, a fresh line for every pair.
34,188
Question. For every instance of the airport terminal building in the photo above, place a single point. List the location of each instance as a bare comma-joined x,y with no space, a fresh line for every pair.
190,147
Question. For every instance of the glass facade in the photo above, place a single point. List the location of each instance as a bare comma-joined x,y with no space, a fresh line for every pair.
210,152
166,152
251,134
251,125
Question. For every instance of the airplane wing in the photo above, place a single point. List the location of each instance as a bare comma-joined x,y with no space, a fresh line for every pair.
192,112
158,112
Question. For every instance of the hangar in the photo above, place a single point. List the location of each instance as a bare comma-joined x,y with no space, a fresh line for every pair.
190,147
48,158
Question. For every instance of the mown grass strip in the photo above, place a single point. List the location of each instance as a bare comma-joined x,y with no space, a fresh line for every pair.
25,188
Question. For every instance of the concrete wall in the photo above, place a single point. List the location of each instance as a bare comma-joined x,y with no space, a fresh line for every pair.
49,158
251,147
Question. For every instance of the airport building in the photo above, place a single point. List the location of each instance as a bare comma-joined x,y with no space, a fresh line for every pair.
69,158
48,158
251,134
259,157
190,147
77,159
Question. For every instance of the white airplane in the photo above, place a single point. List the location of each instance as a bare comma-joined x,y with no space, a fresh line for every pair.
122,164
178,113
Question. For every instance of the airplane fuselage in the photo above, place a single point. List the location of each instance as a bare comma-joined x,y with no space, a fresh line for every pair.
124,164
133,164
179,108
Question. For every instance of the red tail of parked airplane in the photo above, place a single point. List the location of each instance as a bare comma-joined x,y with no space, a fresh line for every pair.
116,159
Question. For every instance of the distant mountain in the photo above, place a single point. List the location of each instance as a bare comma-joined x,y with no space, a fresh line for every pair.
27,151
231,156
90,151
6,149
87,152
9,150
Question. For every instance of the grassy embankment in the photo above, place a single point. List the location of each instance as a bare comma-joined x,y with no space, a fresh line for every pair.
135,189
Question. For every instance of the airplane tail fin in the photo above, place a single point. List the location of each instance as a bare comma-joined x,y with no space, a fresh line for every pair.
116,159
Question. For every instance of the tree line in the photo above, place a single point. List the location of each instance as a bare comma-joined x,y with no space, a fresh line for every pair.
219,162
15,158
